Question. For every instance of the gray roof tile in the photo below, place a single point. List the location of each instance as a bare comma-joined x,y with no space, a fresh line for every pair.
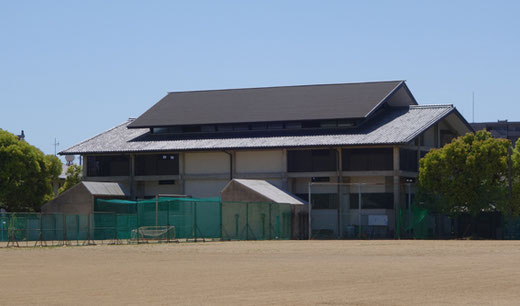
394,126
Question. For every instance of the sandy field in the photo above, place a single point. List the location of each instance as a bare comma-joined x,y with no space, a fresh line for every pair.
265,273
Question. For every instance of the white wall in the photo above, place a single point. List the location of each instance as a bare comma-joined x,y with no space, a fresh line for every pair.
153,188
204,188
206,163
429,137
259,161
371,183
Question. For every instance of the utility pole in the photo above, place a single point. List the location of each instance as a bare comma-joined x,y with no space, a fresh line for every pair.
56,144
509,178
473,108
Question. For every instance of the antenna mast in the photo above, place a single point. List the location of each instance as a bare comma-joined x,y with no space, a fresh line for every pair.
56,143
473,109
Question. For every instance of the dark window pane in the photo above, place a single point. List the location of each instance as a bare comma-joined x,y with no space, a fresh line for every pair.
311,160
367,159
157,164
408,160
108,165
311,124
372,201
321,200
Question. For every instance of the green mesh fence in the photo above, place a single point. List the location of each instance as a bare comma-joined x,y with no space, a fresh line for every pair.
511,228
414,224
117,219
115,206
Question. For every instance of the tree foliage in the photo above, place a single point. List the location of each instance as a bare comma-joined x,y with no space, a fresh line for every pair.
26,174
469,174
73,177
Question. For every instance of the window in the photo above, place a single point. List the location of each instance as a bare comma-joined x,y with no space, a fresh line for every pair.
311,160
408,160
311,124
372,200
191,129
157,164
108,165
208,128
293,125
275,126
167,182
367,159
322,200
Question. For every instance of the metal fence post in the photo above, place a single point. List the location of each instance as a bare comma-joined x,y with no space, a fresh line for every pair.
359,209
247,220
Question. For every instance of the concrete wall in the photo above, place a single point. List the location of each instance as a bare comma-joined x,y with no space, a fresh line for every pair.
206,163
204,188
152,188
429,137
76,200
260,161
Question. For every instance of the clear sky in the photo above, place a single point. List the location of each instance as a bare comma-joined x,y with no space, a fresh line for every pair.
72,69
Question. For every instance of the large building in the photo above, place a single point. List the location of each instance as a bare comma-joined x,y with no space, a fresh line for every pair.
195,142
500,129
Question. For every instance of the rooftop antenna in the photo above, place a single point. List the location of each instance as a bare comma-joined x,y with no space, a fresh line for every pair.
473,112
69,159
56,143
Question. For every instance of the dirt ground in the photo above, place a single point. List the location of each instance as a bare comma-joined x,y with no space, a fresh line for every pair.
265,273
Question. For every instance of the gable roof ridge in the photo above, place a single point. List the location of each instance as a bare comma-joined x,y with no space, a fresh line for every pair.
431,106
284,86
385,98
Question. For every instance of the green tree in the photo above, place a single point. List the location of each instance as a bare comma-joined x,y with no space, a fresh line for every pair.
73,177
515,199
467,175
26,174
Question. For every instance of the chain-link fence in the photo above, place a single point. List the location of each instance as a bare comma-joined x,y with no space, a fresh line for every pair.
115,221
383,209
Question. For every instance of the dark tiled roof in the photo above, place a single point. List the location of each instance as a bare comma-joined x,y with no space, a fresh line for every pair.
309,102
393,126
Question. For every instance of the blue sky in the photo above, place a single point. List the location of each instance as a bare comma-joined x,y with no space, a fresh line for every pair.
72,69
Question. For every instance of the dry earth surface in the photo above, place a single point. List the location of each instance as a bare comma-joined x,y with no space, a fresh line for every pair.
265,273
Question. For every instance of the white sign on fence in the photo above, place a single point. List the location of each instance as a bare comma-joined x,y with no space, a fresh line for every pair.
377,220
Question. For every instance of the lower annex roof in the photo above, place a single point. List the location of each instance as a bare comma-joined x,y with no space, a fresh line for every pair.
394,126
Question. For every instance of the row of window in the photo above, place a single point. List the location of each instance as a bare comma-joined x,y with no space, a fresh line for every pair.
261,126
368,200
156,164
297,161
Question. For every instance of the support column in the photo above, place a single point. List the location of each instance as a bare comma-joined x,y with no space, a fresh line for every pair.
339,180
85,165
396,187
285,181
233,157
132,175
182,169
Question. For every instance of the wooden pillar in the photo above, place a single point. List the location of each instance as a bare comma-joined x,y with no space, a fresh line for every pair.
182,169
339,180
132,175
285,181
396,185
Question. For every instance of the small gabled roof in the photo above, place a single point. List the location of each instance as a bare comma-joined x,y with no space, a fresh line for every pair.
266,190
287,103
105,188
